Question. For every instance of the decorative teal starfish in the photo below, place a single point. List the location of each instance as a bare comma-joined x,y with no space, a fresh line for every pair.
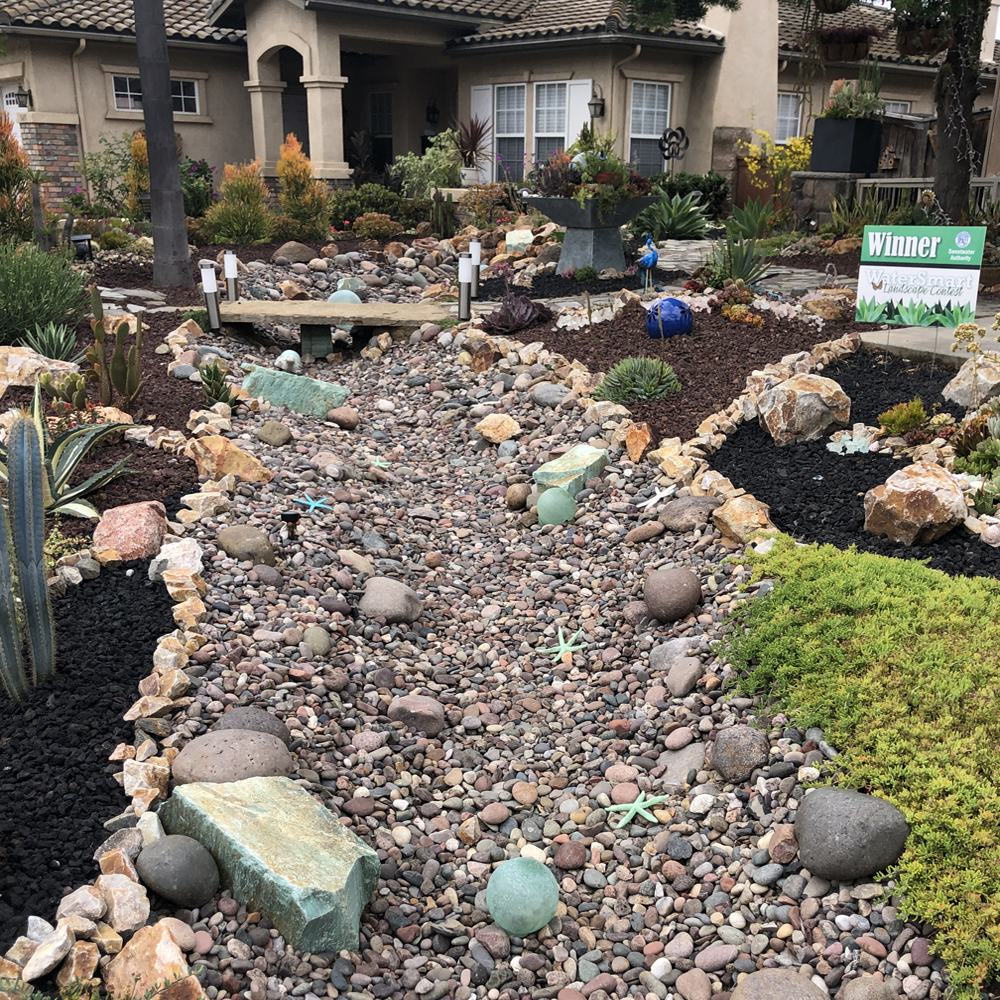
379,463
565,646
313,505
641,806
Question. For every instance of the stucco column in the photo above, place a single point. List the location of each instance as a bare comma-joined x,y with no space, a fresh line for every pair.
324,101
268,121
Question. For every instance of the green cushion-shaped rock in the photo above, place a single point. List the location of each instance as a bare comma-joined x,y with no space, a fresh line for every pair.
572,470
522,896
283,854
298,393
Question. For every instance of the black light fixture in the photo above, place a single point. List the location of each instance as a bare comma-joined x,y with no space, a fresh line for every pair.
23,97
433,115
596,104
291,518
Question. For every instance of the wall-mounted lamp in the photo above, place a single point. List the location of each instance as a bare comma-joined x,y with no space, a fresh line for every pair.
23,97
433,115
596,104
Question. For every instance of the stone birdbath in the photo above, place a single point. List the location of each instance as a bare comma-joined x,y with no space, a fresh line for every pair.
591,240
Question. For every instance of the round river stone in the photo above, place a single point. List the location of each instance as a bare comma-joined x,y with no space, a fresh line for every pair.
232,755
179,869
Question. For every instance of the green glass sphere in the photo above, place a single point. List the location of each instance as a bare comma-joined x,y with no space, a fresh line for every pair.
344,295
522,896
556,506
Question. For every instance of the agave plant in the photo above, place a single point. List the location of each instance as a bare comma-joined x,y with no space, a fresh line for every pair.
732,259
24,574
673,218
59,458
870,311
516,312
751,221
637,379
54,340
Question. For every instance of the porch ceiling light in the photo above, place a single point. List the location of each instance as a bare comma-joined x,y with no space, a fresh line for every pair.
23,97
596,105
433,115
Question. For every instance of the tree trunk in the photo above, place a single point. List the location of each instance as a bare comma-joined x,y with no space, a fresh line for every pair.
38,218
955,92
171,260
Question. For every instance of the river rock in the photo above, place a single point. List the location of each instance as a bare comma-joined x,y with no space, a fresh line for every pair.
418,713
232,755
803,408
274,433
179,869
915,505
684,676
294,252
246,544
738,751
778,984
686,513
390,599
847,835
249,718
671,594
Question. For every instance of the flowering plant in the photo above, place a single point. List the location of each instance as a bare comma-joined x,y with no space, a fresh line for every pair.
592,174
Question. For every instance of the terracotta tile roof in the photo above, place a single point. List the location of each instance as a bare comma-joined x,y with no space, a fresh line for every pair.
185,18
791,23
476,10
555,18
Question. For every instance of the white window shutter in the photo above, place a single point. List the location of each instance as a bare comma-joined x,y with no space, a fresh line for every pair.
481,107
578,94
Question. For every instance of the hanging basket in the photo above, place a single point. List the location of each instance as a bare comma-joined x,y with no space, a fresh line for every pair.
832,6
843,52
927,40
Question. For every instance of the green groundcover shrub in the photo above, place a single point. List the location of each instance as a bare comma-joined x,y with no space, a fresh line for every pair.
898,664
37,288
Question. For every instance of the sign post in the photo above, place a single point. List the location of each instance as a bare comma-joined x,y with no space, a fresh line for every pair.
919,275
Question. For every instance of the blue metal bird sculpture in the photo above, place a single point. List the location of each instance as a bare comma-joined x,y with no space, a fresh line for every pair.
647,262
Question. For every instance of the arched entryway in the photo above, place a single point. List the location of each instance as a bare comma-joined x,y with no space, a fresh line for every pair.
294,101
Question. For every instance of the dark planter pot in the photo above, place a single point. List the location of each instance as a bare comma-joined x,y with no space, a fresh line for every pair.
843,52
591,240
925,41
846,145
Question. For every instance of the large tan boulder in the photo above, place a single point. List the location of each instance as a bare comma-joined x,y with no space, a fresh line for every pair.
915,505
22,366
149,960
217,456
743,518
803,408
974,384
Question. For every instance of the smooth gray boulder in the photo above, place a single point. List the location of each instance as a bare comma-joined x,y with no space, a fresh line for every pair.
686,513
232,755
848,835
254,720
246,544
671,594
178,868
274,433
418,713
778,984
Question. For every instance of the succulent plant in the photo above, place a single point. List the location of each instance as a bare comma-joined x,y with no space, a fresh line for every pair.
636,379
516,312
120,373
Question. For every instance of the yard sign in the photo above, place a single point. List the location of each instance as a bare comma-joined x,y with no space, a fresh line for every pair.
919,275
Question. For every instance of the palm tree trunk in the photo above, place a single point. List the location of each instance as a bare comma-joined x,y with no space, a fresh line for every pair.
171,259
38,218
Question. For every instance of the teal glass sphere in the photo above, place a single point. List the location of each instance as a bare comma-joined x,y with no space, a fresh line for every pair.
344,295
556,506
522,896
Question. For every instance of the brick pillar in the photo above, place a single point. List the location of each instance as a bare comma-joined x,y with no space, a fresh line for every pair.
56,150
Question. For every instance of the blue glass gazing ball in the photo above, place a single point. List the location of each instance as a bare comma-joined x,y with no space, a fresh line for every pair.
344,295
672,316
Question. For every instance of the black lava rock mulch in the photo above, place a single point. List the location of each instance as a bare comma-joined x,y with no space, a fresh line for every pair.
56,784
817,496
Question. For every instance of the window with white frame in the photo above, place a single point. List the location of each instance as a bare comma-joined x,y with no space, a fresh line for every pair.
898,107
508,129
11,107
550,119
789,116
128,95
650,118
380,114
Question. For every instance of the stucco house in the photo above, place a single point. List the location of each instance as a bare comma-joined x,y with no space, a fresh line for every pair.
246,72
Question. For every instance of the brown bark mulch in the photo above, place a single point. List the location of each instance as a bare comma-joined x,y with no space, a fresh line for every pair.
847,264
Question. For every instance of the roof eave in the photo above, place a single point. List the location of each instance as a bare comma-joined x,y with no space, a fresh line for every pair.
174,41
896,67
458,48
451,21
